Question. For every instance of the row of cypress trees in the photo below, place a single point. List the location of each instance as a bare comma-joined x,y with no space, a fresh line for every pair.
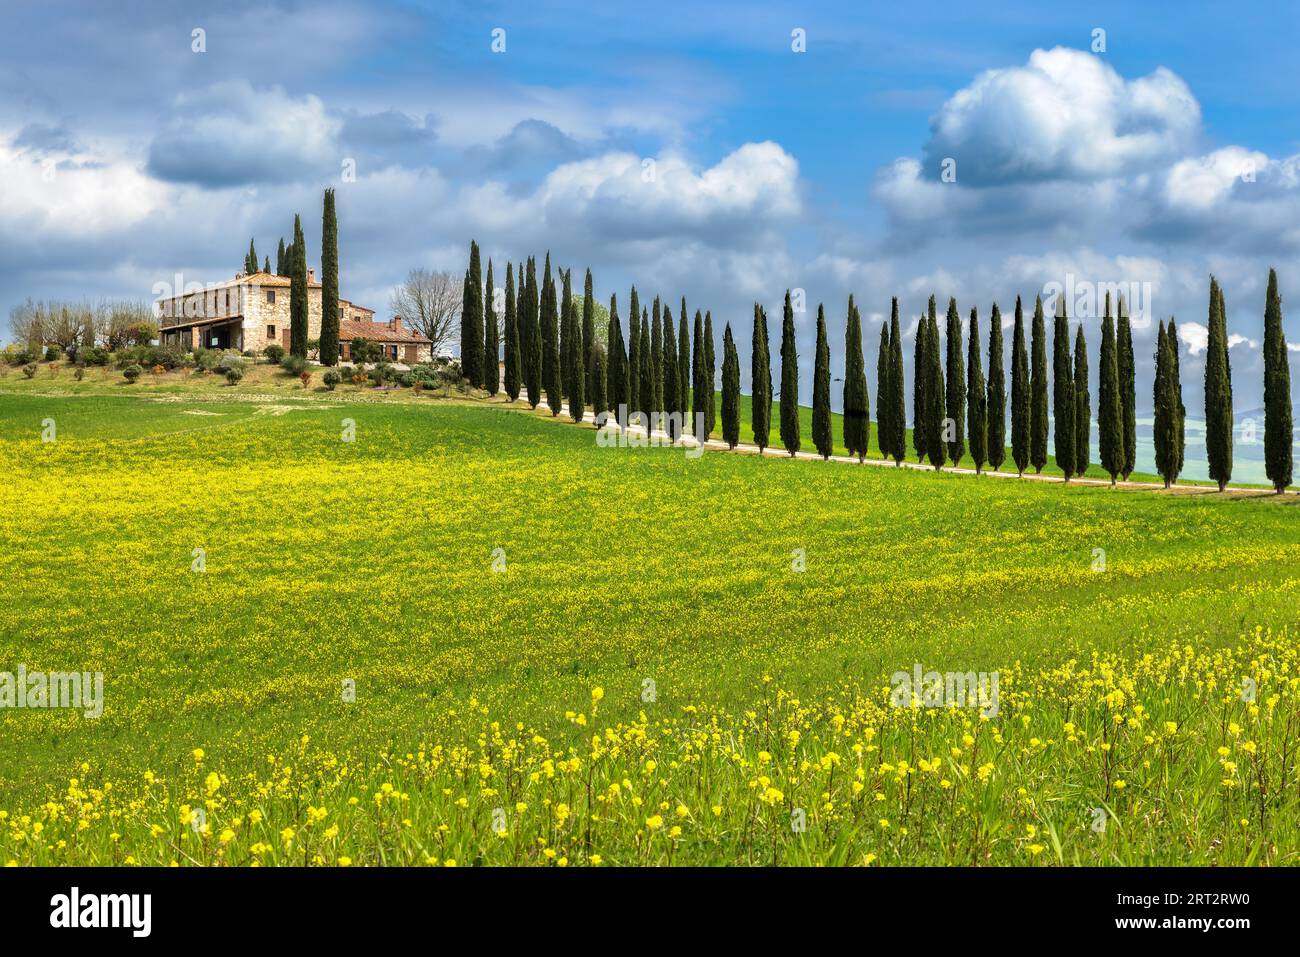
553,355
956,407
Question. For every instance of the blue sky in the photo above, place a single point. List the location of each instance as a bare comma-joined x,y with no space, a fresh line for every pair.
817,170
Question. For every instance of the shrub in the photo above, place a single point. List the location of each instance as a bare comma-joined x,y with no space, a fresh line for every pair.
54,368
358,378
274,352
158,369
305,378
332,378
205,360
132,372
79,372
230,360
53,353
29,370
234,374
92,356
294,365
406,380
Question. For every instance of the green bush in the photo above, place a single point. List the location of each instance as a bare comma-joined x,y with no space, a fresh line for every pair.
275,353
29,370
230,360
294,365
234,374
132,372
79,372
92,356
332,378
53,353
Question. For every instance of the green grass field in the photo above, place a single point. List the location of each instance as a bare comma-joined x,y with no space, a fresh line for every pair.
570,654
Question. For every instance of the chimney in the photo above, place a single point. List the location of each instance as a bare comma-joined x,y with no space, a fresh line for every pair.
395,323
311,275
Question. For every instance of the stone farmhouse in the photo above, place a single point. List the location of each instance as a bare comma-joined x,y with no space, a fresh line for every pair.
251,312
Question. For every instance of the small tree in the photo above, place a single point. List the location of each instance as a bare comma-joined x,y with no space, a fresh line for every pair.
855,386
789,380
1038,390
996,401
1082,404
1278,435
1218,391
1063,391
955,387
760,381
976,397
730,390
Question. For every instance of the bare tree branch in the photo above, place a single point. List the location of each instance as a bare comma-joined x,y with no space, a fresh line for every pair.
429,302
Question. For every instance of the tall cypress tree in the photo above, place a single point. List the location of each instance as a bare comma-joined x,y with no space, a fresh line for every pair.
1278,427
855,386
897,401
1038,389
549,320
921,378
645,382
1175,347
656,367
710,373
996,400
281,264
1019,394
684,366
1063,418
1082,404
471,322
672,393
700,391
935,448
329,283
883,437
1110,421
576,388
250,260
955,387
977,401
532,342
634,358
588,332
730,390
1166,394
266,266
491,343
789,380
616,362
821,422
298,293
1127,390
760,399
512,336
1218,391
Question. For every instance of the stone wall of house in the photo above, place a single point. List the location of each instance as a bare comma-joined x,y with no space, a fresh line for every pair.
261,315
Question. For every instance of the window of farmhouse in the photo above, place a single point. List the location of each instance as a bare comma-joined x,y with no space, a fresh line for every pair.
270,295
270,332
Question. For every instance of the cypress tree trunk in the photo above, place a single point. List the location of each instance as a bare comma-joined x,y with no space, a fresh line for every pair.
821,423
491,345
634,358
532,342
1063,391
976,399
760,399
1278,428
699,392
730,390
329,283
1082,404
1038,390
855,386
1127,390
883,437
684,367
935,448
710,373
588,333
672,414
598,402
1110,424
996,400
512,336
298,294
789,380
1218,391
955,391
920,371
897,400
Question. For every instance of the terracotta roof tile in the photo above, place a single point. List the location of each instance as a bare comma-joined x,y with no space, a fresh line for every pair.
378,331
